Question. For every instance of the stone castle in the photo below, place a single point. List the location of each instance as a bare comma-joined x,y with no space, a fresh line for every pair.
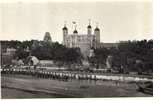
83,41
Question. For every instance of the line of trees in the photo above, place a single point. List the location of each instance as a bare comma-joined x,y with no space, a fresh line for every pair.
130,56
57,52
45,51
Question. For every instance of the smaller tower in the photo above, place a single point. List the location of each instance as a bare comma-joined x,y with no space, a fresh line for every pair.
75,30
97,36
89,28
75,36
65,33
89,33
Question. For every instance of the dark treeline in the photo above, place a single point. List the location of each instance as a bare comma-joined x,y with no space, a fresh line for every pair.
16,44
129,56
57,52
44,51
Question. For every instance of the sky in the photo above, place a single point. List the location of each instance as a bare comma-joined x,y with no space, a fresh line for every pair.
118,21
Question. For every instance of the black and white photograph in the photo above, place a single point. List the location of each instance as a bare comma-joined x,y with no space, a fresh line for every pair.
66,49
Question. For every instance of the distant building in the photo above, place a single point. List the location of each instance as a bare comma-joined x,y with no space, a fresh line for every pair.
82,41
85,41
109,45
10,51
7,56
47,38
46,63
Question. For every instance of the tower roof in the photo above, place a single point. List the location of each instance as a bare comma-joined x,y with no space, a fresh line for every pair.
64,28
89,26
97,29
75,31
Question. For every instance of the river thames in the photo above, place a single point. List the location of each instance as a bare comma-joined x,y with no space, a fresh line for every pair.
23,86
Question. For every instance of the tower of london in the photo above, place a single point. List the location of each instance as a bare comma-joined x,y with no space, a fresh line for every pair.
83,41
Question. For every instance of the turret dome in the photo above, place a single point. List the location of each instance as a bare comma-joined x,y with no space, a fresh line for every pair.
97,29
89,26
75,31
64,28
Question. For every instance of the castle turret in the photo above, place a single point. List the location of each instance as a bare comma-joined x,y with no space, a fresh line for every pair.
89,29
89,34
75,30
65,33
97,36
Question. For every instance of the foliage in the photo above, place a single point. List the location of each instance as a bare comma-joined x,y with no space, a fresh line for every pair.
127,54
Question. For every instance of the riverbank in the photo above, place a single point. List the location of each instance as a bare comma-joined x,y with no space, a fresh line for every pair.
23,86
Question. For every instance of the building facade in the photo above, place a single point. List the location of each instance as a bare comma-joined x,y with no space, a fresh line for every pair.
83,41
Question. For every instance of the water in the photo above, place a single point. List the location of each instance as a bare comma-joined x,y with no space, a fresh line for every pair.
23,86
12,93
